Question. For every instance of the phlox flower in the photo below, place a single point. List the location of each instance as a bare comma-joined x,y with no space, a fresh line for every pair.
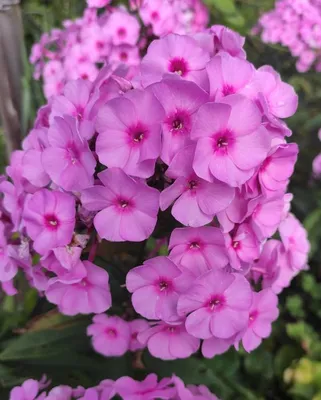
148,389
136,327
217,305
110,335
49,217
8,265
263,312
228,41
90,294
127,208
159,14
68,160
29,390
192,392
169,342
295,241
198,249
131,140
174,54
123,28
156,281
227,149
215,346
198,200
180,99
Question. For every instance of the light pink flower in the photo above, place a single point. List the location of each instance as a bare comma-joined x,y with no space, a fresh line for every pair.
127,208
198,249
156,281
49,217
110,335
8,265
227,149
217,305
90,294
198,201
123,28
169,342
228,41
131,140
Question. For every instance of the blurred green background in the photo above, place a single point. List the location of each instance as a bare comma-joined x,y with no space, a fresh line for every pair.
35,339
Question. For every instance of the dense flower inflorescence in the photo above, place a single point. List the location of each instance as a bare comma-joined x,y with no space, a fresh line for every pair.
294,24
126,388
114,34
198,131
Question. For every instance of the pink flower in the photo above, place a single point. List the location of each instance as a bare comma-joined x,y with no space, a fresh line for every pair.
68,161
110,335
148,389
123,28
128,207
136,327
192,392
198,200
49,217
263,312
27,391
217,305
174,54
98,3
228,75
156,281
227,149
131,141
198,249
159,14
181,100
242,246
90,294
169,342
227,40
33,169
295,241
277,168
8,265
214,346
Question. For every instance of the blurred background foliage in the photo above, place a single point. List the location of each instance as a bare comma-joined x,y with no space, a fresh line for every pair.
35,339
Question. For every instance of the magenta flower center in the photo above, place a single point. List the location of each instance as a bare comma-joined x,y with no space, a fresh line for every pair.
164,285
138,137
122,32
215,303
228,89
155,16
222,142
253,316
172,329
73,153
111,332
177,124
123,56
51,221
236,244
194,245
192,184
178,66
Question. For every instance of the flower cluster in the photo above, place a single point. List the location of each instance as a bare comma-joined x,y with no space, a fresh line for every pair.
126,388
294,24
112,35
198,130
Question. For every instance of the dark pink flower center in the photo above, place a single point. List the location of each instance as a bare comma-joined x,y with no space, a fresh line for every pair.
192,184
111,332
236,244
137,134
215,303
228,89
194,245
164,285
51,221
99,45
155,16
222,142
177,124
123,56
122,32
84,76
124,204
179,66
134,335
73,153
171,329
253,315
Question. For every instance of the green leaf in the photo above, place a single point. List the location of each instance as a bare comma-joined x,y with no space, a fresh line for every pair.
224,6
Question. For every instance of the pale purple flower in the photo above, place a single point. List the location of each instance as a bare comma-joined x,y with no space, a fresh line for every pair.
68,160
169,342
90,294
148,389
217,305
131,140
127,208
228,149
180,99
110,335
263,312
174,54
198,249
198,200
49,217
156,281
